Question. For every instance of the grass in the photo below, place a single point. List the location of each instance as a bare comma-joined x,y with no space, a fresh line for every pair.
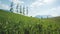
17,23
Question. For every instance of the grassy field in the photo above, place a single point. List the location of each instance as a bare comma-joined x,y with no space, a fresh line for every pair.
11,23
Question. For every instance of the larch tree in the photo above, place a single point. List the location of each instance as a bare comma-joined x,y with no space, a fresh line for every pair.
23,10
27,10
20,9
17,7
11,7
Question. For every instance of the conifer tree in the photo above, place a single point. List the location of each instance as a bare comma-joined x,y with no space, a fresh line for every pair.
17,7
20,9
27,10
23,10
11,9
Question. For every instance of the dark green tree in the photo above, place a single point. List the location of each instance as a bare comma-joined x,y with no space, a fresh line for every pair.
23,10
20,9
27,10
17,7
11,7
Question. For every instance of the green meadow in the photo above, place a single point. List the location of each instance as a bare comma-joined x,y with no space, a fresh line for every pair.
11,23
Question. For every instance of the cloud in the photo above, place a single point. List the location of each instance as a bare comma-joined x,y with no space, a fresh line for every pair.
48,1
4,6
42,7
55,11
52,11
16,1
38,3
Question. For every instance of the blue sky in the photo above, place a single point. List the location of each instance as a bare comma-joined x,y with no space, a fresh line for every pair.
36,7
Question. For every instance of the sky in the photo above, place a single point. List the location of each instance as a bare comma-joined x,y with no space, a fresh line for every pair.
36,7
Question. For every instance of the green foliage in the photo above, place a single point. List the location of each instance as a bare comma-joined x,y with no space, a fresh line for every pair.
11,7
11,23
17,7
20,9
23,10
27,10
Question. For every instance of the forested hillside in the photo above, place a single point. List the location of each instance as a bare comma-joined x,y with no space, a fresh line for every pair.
11,23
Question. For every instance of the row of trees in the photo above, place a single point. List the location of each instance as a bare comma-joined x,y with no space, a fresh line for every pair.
19,9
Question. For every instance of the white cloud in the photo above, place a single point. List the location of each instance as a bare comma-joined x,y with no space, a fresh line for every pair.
4,6
48,1
38,3
17,1
55,11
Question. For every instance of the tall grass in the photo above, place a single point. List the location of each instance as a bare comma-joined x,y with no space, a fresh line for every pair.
11,23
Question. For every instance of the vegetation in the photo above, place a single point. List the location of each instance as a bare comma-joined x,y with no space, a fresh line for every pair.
19,9
11,7
11,23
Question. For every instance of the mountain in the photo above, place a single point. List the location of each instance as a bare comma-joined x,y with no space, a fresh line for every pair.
12,23
43,16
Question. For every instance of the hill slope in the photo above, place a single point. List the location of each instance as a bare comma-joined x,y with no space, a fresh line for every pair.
19,24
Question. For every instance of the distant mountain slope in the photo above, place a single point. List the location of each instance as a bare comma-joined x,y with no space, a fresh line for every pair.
43,16
15,23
